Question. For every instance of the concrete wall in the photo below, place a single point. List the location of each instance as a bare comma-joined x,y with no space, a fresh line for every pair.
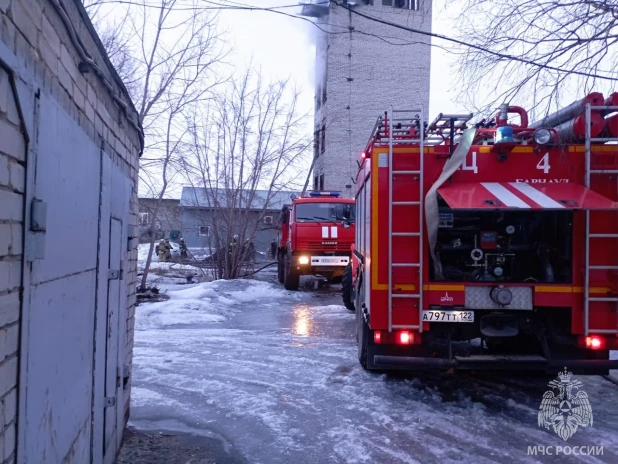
64,140
364,75
193,218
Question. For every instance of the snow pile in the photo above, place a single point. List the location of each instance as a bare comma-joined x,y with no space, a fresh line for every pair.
155,265
142,252
204,303
199,253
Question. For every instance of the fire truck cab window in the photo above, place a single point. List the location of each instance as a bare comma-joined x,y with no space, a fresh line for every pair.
325,212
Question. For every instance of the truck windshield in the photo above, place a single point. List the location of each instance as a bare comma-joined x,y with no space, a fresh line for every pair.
326,212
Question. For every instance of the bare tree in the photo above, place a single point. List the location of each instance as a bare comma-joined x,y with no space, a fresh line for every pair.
245,146
169,53
535,51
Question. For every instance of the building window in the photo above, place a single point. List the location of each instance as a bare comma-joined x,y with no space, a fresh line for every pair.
323,141
268,219
316,143
315,182
321,181
318,97
204,231
144,219
324,92
407,4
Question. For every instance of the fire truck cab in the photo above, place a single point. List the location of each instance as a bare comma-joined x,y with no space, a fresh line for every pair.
315,237
493,246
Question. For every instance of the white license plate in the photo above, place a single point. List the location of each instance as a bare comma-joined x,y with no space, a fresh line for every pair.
448,316
337,260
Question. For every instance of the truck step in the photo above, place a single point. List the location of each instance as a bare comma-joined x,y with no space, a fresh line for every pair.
606,299
406,172
413,327
406,295
414,234
406,203
604,267
406,264
603,235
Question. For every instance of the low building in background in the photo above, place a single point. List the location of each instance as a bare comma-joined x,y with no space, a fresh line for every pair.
168,223
204,209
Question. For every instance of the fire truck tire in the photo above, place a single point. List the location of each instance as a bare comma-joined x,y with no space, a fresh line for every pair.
346,288
280,268
362,337
291,279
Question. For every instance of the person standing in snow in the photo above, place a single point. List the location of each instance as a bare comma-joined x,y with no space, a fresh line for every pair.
168,250
273,248
183,248
162,251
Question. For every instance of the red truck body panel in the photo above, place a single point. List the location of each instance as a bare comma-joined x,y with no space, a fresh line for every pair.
552,178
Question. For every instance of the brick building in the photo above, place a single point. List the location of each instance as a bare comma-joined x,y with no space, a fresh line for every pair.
69,156
359,74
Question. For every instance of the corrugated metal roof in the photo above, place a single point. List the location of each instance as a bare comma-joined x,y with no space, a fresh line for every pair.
201,198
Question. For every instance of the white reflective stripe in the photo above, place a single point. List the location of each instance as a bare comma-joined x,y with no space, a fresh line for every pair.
536,195
324,231
504,195
333,232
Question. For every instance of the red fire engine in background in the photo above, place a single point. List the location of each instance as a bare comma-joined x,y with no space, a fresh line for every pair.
490,246
315,237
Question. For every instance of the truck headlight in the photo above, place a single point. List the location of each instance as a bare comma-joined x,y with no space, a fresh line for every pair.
303,260
542,136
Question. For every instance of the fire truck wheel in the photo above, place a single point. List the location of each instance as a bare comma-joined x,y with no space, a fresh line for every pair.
346,288
362,337
291,278
280,268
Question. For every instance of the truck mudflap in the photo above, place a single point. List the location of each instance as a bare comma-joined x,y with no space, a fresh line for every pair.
492,362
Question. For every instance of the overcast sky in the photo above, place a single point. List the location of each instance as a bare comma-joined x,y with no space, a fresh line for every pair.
283,47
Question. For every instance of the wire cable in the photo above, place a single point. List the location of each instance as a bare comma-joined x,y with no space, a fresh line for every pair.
469,45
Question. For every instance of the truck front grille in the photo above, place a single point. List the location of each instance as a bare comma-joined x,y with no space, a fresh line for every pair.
317,246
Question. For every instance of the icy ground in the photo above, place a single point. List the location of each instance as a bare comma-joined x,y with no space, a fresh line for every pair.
273,376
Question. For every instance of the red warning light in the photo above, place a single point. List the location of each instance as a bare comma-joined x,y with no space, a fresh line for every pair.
594,342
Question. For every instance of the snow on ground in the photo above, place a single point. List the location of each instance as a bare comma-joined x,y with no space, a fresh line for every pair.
169,266
142,252
206,302
276,374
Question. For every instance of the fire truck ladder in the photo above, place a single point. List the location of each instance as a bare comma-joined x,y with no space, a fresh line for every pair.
588,171
405,120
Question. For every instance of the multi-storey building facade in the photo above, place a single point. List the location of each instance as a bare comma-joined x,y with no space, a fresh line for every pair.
362,68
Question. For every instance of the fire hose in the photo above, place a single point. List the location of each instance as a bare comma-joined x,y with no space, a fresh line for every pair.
432,216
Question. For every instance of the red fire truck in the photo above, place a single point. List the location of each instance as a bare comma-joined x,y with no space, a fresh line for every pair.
491,245
315,236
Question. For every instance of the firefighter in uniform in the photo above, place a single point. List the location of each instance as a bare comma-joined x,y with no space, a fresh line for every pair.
183,248
162,251
233,244
168,250
273,249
